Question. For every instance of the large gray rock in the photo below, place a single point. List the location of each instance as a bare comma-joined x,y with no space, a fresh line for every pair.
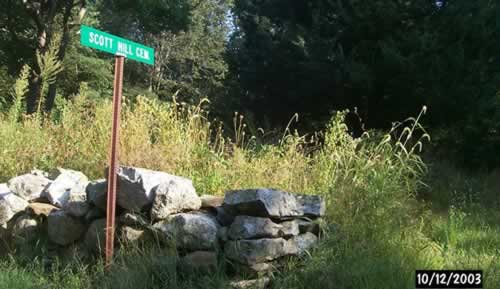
174,196
312,205
263,203
137,186
256,251
97,193
64,229
68,182
190,231
28,186
247,227
95,237
77,205
301,243
10,204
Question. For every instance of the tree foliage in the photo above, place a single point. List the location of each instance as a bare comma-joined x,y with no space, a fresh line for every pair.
387,58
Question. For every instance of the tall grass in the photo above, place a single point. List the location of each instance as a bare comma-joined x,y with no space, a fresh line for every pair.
378,233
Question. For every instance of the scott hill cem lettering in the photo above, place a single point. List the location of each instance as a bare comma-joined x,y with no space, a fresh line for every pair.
106,42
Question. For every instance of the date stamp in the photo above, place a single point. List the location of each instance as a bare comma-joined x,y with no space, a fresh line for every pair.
448,279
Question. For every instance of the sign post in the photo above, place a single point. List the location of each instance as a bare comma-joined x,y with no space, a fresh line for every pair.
121,48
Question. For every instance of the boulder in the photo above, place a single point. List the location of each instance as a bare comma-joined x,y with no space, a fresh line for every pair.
301,243
97,193
209,201
28,186
77,205
199,261
190,231
263,203
40,209
68,182
95,238
260,283
64,229
10,204
247,227
256,251
137,186
24,229
174,196
312,205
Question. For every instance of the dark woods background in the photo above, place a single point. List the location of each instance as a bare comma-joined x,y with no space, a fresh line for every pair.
270,59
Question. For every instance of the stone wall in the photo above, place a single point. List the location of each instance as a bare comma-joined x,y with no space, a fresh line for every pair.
253,229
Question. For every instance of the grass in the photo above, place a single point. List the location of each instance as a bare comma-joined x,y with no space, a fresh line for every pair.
384,222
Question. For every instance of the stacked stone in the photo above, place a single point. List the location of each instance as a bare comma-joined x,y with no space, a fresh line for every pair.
254,229
268,226
72,209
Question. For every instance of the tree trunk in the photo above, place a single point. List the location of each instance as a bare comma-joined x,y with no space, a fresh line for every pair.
52,91
35,80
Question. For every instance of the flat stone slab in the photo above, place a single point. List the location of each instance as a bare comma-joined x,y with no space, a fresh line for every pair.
209,201
263,203
41,209
256,251
248,227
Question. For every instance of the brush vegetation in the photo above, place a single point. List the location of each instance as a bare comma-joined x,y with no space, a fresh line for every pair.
378,229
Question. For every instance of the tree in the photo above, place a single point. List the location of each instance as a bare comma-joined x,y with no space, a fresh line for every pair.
44,15
191,62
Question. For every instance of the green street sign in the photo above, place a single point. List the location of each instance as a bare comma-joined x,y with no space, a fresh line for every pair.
106,42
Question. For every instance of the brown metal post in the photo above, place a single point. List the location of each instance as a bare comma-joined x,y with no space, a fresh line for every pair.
113,161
